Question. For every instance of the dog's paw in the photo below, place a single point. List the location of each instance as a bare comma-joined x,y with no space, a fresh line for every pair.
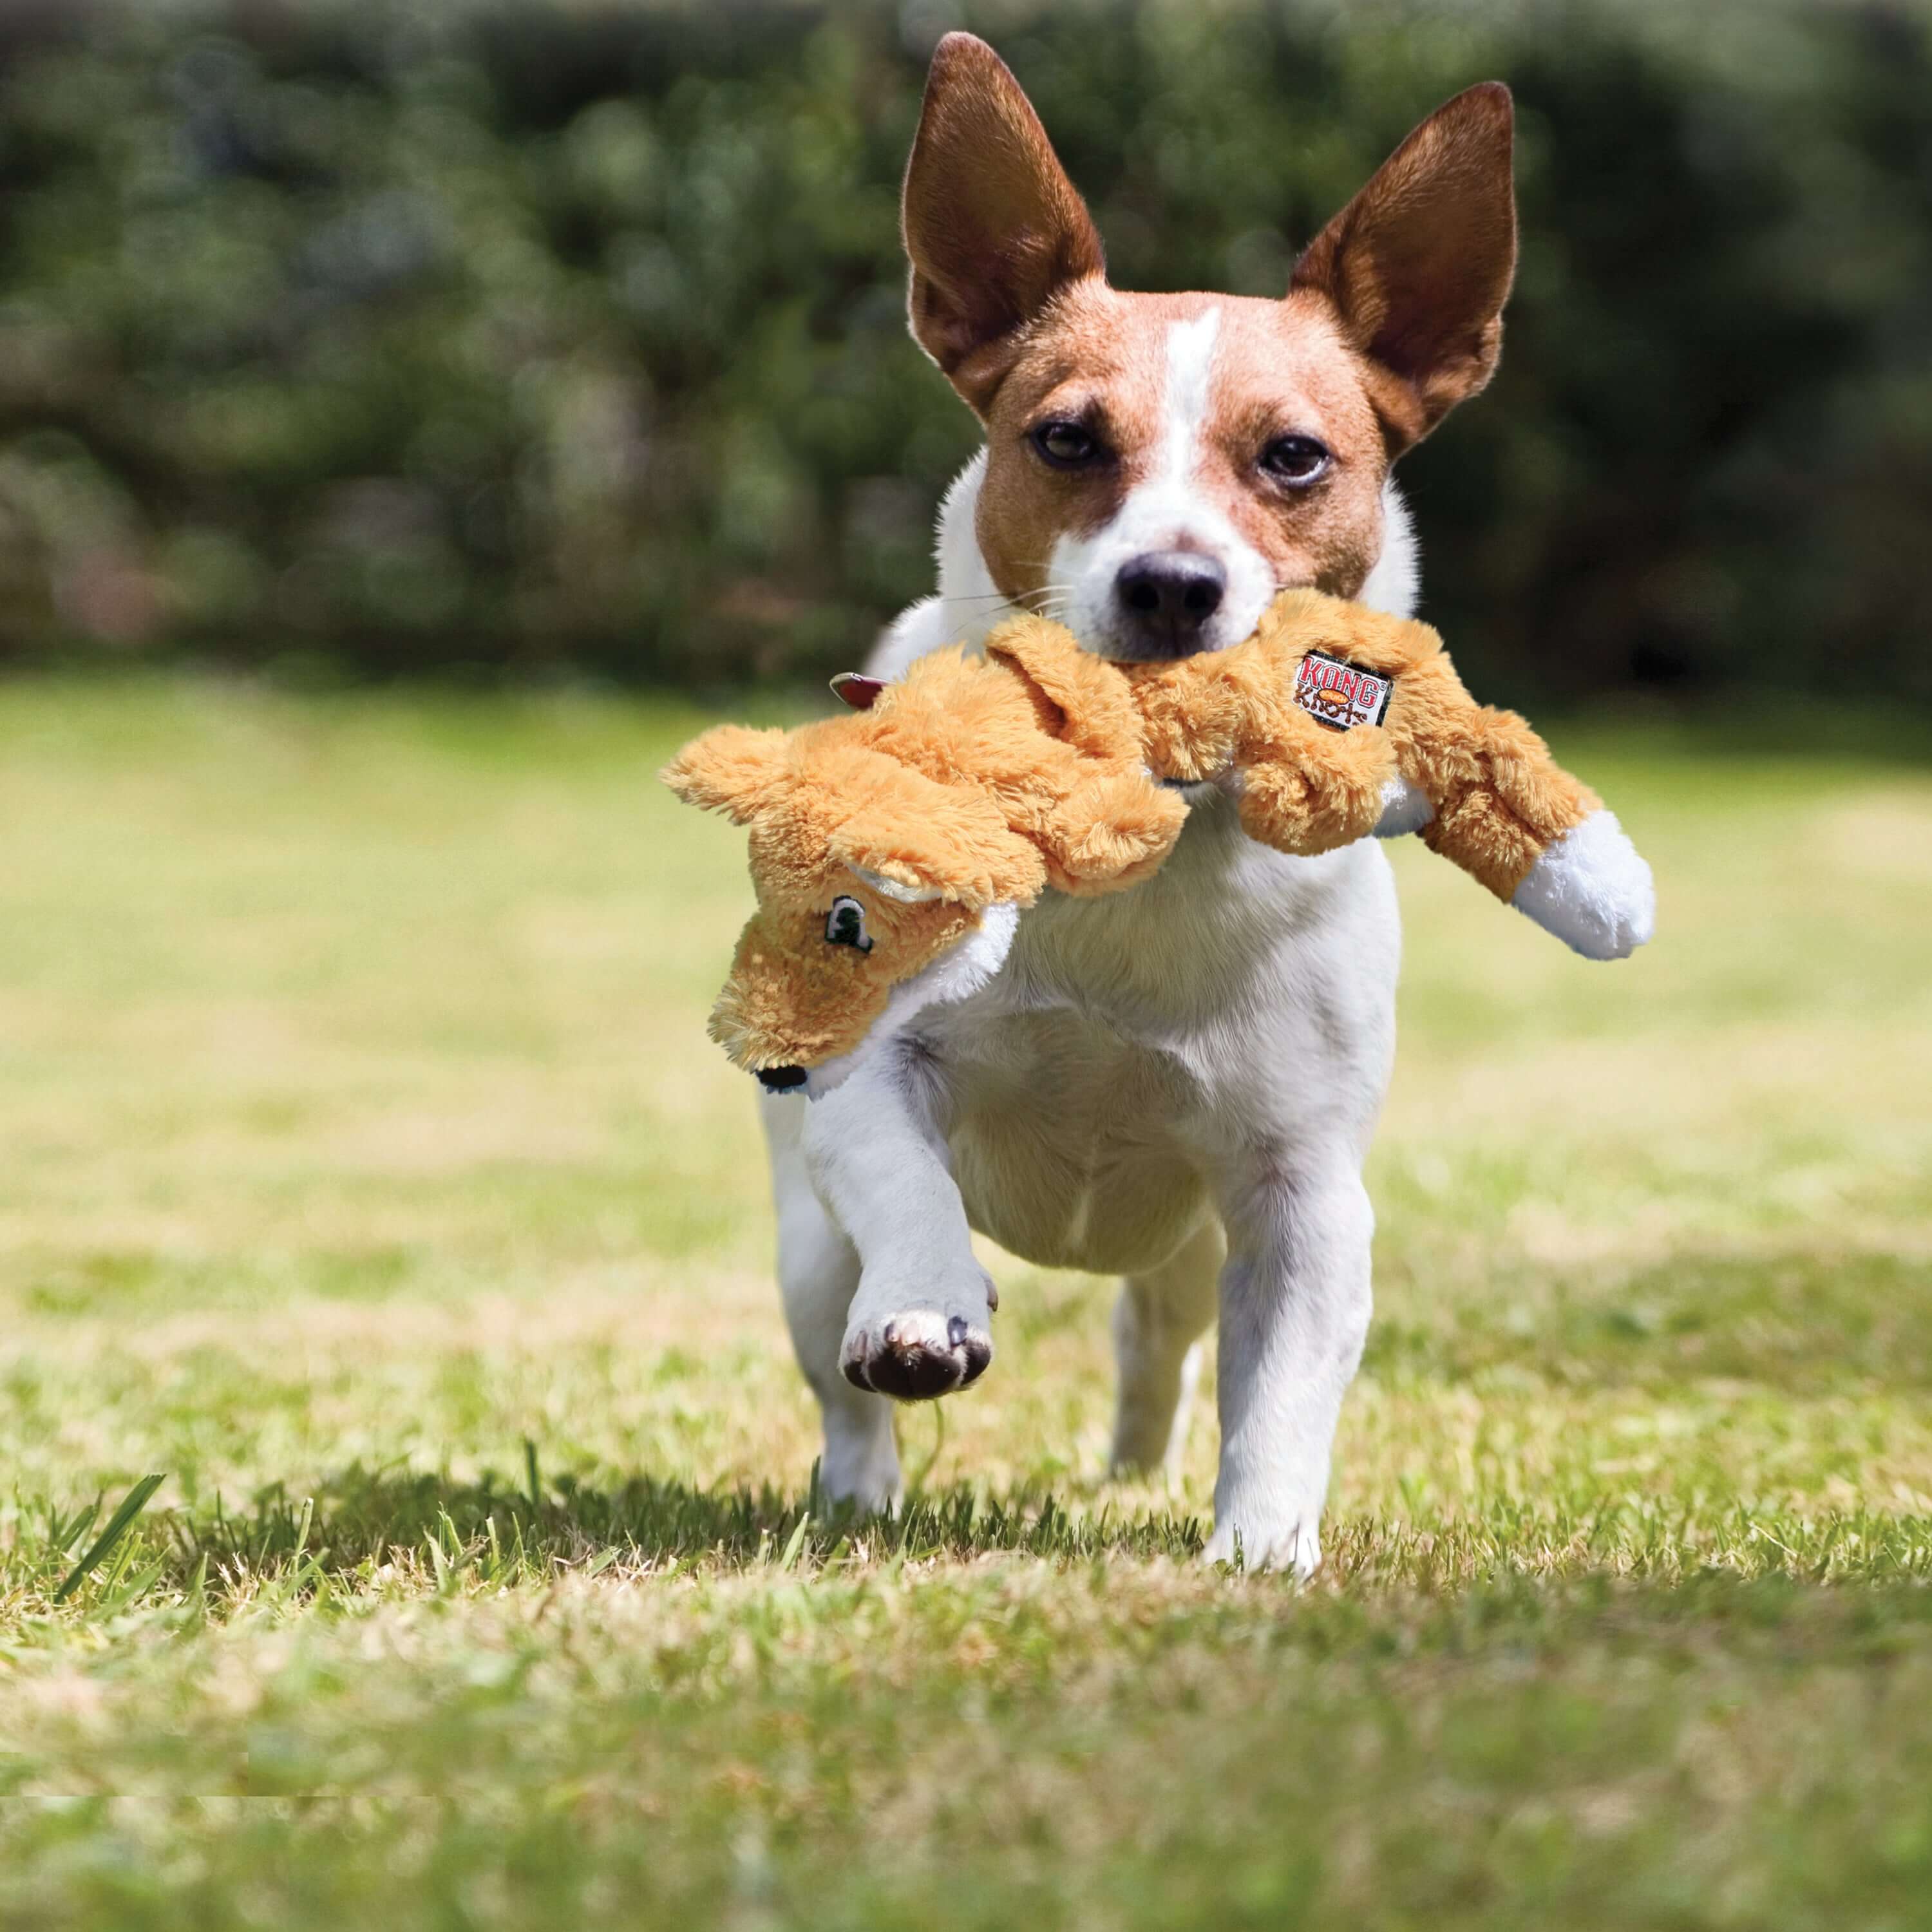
1296,1546
916,1355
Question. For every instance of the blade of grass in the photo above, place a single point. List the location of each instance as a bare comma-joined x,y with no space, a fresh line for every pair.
132,1505
794,1544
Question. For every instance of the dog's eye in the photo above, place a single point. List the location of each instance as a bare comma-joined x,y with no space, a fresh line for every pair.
1066,445
1296,460
845,925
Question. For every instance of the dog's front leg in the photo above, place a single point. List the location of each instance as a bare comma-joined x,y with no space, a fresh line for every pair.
818,1275
1294,1312
919,1324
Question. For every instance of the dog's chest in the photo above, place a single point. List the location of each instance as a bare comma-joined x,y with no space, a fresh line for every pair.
1069,1140
1088,1094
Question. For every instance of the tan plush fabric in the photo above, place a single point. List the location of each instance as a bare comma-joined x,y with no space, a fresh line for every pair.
972,783
1499,798
981,781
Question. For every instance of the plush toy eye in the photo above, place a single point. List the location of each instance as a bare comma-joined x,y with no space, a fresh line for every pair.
845,925
1066,445
1296,460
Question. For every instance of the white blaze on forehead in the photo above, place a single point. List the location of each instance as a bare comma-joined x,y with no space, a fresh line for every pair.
1170,509
1190,382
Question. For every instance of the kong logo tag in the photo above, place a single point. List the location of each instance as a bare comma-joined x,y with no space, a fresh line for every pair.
1339,694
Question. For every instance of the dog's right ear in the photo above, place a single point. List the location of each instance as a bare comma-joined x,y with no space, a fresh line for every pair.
731,769
993,227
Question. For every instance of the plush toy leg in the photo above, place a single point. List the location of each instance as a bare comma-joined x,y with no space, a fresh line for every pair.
818,1275
1158,1322
1294,1313
1112,831
919,1324
1317,789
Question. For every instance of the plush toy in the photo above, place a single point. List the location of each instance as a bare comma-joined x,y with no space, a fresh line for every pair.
892,849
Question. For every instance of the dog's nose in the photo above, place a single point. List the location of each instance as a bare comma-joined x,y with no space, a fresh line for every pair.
781,1079
1166,597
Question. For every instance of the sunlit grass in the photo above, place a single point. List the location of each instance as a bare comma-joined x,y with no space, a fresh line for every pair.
364,1171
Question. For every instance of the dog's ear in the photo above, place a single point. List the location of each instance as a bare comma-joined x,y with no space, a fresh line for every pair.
733,770
1418,265
912,839
993,227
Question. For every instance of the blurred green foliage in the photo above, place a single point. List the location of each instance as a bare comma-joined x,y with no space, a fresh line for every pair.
381,338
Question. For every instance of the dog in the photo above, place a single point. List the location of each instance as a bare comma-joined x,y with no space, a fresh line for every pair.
1176,1085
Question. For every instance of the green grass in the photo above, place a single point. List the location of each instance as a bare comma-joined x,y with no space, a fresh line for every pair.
357,1129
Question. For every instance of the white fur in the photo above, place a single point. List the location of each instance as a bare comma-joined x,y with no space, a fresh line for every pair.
1392,584
1204,1059
1166,511
968,604
1592,888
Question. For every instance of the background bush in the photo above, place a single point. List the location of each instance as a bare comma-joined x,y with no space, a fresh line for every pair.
389,339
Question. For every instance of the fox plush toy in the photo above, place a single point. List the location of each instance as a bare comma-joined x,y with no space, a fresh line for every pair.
892,849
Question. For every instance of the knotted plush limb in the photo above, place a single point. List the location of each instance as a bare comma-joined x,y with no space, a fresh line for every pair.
1491,797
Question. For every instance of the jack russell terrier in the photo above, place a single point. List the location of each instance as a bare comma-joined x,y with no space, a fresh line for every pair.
1177,1084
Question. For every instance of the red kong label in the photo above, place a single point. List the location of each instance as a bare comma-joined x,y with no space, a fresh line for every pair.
1341,695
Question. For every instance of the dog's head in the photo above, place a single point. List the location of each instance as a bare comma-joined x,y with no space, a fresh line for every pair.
878,888
1159,466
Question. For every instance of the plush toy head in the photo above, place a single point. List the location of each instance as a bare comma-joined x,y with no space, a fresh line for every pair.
871,879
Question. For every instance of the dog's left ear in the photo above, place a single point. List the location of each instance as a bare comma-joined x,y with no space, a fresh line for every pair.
1418,265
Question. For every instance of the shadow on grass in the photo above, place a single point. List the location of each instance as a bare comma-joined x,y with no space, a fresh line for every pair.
363,1530
361,1519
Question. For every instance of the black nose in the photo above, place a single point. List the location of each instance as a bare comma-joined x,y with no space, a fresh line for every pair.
1166,596
781,1079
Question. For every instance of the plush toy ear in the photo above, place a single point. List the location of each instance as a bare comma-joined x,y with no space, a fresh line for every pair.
913,839
733,770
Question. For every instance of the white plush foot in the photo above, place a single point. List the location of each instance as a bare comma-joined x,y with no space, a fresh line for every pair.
1294,1545
1593,889
914,1353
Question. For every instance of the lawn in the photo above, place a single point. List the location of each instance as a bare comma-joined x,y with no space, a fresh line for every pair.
365,1173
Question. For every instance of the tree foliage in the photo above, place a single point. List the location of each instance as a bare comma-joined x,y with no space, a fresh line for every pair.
400,339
